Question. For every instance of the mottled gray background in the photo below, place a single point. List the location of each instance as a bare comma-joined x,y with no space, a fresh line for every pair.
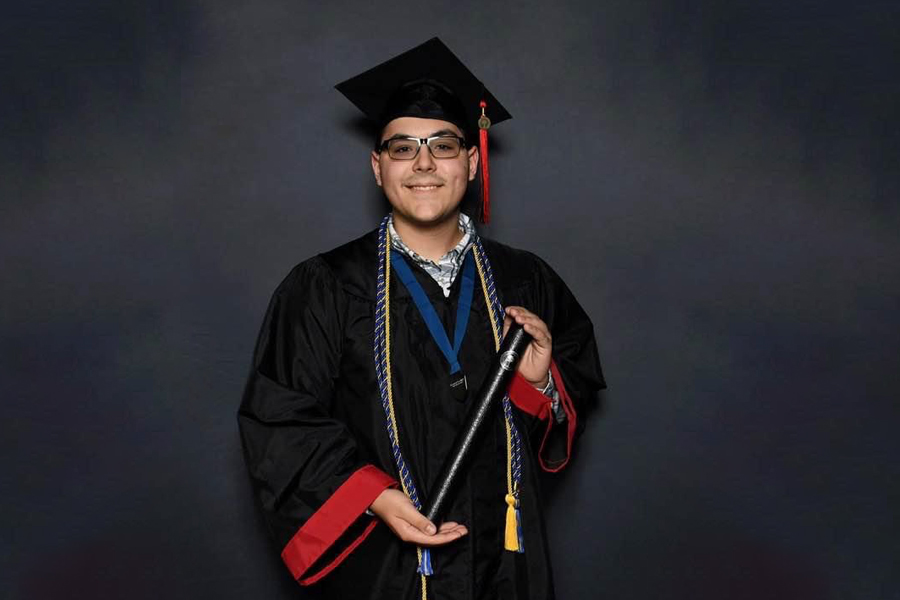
717,181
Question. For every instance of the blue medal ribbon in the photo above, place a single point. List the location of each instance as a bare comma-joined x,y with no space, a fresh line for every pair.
426,309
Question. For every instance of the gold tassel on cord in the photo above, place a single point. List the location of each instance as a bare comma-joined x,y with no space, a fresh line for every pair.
513,540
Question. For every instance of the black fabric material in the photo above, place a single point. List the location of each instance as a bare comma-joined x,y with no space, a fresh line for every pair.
427,81
428,99
312,415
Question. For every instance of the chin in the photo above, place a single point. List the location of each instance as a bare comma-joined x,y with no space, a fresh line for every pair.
426,212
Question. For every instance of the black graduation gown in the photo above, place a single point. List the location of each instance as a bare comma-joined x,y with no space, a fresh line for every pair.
315,439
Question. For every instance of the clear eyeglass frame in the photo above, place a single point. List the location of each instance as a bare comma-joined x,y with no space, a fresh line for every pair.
407,148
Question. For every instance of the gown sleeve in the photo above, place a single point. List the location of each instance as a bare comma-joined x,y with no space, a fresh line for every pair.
310,478
575,369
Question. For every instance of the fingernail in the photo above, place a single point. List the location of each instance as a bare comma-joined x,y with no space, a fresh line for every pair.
431,529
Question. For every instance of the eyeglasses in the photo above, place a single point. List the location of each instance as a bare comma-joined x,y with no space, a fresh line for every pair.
440,146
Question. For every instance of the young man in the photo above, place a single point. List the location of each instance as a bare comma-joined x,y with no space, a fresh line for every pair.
370,355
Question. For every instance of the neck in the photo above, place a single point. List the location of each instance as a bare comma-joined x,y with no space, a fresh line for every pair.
430,241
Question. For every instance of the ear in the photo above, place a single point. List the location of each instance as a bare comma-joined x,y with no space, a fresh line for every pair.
376,167
473,162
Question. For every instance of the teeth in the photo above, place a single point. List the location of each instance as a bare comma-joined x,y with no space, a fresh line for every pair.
424,187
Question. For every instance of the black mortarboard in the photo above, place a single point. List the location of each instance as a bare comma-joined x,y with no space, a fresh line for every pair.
430,82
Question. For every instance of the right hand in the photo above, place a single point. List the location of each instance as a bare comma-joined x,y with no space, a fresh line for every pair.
408,524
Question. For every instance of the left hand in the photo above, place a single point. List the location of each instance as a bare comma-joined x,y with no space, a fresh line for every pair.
535,363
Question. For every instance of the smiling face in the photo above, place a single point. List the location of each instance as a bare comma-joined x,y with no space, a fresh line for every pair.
425,191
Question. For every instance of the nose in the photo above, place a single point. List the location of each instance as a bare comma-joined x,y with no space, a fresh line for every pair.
424,161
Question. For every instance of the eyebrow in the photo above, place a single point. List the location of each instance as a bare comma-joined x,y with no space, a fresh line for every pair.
440,132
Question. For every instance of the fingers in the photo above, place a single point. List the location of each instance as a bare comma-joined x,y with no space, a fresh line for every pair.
407,523
450,525
522,315
448,532
535,363
531,323
540,334
417,520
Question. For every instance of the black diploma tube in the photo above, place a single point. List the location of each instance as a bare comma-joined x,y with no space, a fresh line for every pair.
491,393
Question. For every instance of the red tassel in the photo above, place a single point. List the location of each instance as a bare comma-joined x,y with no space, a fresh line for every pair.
483,124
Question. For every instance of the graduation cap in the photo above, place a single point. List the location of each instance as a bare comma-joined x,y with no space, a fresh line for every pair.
429,82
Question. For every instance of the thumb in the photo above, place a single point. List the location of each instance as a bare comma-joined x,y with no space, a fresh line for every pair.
417,519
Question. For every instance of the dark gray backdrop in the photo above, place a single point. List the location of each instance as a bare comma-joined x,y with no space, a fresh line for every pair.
717,181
